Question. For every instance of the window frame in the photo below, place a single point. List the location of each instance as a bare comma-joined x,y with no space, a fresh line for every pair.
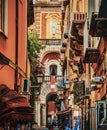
4,17
1,15
53,67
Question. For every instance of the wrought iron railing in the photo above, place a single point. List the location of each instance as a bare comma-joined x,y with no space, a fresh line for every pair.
47,78
79,16
50,41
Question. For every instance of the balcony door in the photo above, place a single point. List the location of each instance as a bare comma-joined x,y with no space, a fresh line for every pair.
53,70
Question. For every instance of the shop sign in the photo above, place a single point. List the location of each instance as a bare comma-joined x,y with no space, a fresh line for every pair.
79,91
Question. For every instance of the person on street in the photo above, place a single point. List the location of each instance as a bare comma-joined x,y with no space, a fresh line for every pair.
54,122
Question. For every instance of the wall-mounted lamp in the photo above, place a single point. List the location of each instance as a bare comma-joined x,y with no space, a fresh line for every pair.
67,83
39,75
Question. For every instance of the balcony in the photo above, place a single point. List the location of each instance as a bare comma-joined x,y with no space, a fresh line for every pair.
50,41
98,26
79,17
47,78
78,48
52,3
77,28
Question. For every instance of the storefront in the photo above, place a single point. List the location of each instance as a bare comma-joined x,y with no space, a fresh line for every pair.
98,116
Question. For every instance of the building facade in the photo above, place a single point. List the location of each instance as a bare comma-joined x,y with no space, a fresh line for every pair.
86,58
13,65
47,15
75,49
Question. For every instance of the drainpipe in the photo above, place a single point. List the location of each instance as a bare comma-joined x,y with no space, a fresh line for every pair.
27,39
106,66
16,49
106,75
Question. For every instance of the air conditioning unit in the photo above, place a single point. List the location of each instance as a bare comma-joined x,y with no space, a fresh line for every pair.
26,84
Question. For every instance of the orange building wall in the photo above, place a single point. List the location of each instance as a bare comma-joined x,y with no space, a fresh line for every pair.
7,46
43,35
22,34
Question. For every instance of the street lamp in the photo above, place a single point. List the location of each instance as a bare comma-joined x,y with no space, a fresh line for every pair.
67,83
36,92
39,75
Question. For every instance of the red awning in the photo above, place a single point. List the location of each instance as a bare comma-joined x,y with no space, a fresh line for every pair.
14,107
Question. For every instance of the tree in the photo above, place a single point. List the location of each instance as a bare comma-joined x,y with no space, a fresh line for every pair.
34,47
33,50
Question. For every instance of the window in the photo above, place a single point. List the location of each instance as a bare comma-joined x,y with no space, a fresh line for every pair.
102,113
53,70
3,16
26,84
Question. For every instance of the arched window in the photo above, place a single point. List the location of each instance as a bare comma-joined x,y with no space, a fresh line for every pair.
53,70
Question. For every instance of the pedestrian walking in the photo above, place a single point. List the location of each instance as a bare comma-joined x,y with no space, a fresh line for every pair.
54,122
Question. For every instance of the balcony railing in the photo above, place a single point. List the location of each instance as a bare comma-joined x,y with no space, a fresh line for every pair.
47,78
50,41
79,16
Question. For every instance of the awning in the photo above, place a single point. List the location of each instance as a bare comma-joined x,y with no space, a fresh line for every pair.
14,107
16,116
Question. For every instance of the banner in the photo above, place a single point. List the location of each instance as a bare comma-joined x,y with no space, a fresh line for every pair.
53,81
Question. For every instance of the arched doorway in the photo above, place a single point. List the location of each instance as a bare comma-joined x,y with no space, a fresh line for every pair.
50,107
